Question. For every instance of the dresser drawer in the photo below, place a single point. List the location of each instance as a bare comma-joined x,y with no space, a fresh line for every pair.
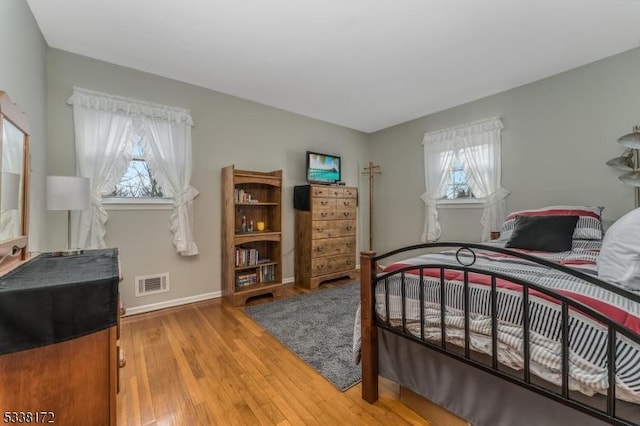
321,191
333,192
323,208
331,264
346,203
351,193
333,246
332,228
345,212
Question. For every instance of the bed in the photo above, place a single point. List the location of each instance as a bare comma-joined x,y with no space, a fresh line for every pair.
451,325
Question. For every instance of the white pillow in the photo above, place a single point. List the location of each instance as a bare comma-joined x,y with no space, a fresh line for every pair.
619,260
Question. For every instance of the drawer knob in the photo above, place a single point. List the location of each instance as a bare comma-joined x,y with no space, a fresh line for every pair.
319,229
320,249
121,361
324,214
349,228
324,203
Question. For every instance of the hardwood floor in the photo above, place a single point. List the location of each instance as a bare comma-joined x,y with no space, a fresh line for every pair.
210,364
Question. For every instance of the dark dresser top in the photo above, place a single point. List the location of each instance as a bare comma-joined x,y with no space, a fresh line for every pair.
51,299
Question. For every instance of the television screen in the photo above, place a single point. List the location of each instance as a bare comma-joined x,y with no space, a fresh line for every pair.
322,168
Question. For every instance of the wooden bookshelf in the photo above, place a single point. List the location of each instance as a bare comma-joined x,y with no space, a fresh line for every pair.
251,259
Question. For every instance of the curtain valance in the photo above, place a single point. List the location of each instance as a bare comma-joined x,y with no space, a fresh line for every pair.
128,106
463,130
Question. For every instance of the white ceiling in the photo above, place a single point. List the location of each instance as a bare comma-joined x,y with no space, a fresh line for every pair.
363,64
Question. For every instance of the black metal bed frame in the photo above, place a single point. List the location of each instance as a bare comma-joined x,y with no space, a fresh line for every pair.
567,303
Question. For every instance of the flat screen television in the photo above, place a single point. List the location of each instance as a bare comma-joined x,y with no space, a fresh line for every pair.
323,168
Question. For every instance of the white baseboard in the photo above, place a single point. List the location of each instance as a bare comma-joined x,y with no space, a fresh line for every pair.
183,301
172,303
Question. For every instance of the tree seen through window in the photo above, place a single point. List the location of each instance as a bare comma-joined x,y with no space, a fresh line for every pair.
138,181
458,187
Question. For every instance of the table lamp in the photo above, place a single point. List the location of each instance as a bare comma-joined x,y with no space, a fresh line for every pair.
68,193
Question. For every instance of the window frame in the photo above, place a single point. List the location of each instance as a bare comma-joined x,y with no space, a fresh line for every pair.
460,203
137,203
131,203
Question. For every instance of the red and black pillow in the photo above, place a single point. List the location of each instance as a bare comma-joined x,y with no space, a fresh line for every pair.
588,226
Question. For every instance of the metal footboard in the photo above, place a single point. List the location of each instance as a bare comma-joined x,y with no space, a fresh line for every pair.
371,321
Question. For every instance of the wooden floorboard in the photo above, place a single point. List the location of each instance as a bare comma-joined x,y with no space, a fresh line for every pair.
210,364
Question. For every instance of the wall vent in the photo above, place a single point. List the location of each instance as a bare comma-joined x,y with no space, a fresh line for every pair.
152,284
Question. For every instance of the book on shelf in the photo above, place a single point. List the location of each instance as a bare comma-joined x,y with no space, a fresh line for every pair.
267,273
247,257
241,196
264,274
246,279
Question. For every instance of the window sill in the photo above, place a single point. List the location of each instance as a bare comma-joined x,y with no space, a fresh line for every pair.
461,203
137,204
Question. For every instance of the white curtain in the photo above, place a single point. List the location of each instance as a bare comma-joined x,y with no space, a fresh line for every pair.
169,146
106,127
482,165
478,146
103,153
438,159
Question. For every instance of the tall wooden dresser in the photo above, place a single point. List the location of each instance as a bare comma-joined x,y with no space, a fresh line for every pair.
325,233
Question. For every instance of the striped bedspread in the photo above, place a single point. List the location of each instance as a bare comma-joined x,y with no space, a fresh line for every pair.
587,338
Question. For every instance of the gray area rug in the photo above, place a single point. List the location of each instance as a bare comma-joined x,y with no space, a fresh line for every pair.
318,327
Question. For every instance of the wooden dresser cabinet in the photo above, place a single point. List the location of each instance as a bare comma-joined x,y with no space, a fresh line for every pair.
325,233
59,352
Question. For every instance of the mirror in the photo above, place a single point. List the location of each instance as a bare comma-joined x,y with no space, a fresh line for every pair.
14,181
11,181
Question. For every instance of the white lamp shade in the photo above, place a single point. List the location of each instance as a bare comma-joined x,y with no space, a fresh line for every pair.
67,193
10,195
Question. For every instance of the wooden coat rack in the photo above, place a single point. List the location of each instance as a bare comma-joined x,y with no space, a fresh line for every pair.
372,170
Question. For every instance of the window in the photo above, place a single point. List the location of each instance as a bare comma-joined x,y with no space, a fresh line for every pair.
462,169
138,181
108,135
458,185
